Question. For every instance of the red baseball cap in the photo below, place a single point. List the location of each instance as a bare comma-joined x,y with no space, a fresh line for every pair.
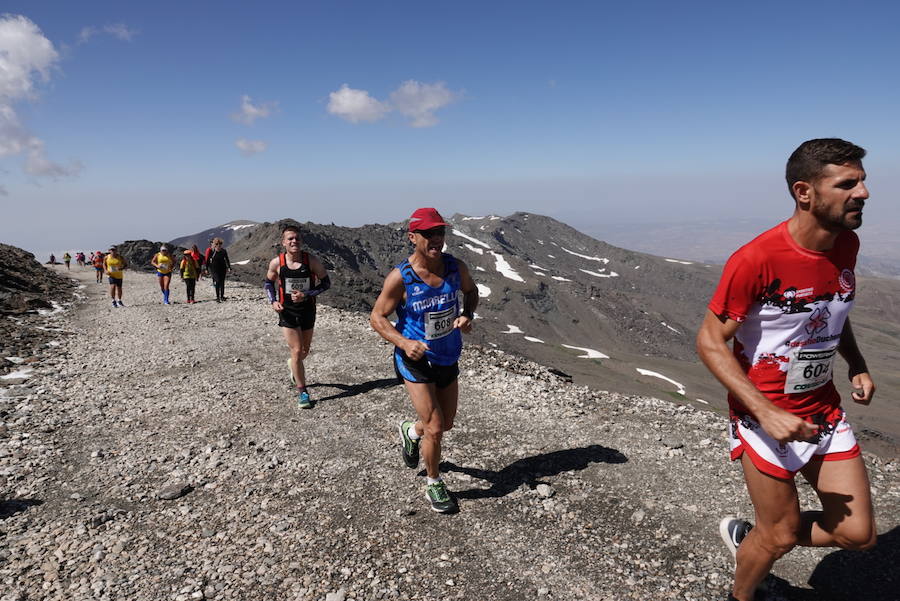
425,219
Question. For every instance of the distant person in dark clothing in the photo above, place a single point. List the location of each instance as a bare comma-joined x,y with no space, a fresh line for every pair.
198,258
189,271
218,265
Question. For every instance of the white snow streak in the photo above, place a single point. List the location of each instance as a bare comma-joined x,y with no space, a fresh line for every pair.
647,372
483,291
538,267
677,261
505,269
589,353
470,238
512,329
600,259
244,262
533,339
22,373
473,248
560,278
480,268
611,274
670,327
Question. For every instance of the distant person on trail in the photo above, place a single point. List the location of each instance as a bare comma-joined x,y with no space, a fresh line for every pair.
164,263
423,290
79,258
206,253
97,262
786,414
195,252
67,259
218,265
189,271
115,264
293,281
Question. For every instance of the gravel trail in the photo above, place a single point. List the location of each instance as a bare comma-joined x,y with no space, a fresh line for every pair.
158,454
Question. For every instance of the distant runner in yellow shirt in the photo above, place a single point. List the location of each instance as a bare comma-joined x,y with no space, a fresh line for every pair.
164,263
114,264
189,271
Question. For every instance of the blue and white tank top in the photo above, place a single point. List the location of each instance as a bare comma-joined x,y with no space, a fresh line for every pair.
427,313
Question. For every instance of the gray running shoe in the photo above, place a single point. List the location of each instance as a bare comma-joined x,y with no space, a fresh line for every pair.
409,448
733,531
440,498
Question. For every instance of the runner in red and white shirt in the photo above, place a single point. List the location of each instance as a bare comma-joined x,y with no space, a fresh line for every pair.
785,299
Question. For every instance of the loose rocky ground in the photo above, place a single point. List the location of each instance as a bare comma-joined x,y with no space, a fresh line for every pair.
157,454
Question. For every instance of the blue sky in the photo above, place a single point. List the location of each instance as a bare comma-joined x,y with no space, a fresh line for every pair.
359,111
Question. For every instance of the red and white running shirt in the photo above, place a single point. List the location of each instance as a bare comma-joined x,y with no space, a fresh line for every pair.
792,304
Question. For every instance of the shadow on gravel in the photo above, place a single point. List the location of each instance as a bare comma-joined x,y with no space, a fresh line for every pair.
854,575
529,470
354,389
13,506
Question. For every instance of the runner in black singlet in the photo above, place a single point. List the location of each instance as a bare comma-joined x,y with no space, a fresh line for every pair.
293,280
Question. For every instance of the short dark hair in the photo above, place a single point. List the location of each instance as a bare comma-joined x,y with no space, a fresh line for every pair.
807,162
290,227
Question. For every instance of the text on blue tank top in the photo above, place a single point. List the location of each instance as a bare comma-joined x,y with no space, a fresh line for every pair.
427,313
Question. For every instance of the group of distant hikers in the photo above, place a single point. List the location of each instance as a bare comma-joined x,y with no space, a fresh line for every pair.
783,302
191,266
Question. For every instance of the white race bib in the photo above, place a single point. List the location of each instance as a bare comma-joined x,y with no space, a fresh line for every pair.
809,370
439,323
298,284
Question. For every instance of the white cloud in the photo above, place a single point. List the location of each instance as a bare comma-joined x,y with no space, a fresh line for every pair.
356,105
24,53
418,101
250,112
250,147
119,31
26,57
37,163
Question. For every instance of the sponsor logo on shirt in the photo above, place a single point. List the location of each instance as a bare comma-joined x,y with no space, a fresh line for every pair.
432,301
417,290
818,321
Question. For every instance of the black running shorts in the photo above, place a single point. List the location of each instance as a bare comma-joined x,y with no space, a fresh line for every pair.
423,371
298,318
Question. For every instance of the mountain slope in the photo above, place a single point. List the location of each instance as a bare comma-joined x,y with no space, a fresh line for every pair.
229,233
611,318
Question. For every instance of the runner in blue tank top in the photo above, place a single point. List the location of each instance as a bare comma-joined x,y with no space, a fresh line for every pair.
424,291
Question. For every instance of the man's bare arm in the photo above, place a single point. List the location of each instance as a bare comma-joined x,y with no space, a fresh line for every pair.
712,346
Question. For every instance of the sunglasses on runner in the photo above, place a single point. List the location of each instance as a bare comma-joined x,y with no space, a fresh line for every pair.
435,231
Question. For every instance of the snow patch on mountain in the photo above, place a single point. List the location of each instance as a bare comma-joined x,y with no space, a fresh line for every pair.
470,238
512,329
474,249
505,268
589,258
589,353
680,262
611,274
653,374
483,291
559,278
533,339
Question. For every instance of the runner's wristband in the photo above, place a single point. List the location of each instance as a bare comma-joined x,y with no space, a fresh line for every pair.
269,287
323,285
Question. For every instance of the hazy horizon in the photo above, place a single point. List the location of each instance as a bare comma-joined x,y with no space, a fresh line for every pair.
118,122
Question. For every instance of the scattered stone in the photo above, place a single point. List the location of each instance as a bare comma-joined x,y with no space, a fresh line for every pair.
173,490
